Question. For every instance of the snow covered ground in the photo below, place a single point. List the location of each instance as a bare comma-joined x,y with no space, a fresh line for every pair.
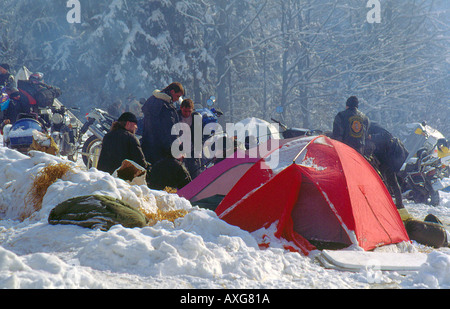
198,251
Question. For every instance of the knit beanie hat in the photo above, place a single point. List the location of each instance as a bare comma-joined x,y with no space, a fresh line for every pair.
127,116
352,102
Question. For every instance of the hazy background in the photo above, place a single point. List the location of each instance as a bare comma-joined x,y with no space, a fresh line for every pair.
306,56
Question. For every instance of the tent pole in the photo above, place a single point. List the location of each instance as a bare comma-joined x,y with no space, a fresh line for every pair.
303,149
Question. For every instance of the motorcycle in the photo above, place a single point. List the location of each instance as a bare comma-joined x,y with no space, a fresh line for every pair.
210,117
295,132
421,176
20,135
99,123
64,130
421,135
428,163
51,122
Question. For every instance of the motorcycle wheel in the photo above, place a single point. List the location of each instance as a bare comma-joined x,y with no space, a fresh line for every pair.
91,151
418,197
434,198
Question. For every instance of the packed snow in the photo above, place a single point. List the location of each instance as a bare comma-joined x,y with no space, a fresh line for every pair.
197,251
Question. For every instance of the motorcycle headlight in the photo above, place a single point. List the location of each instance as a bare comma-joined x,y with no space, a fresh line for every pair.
57,118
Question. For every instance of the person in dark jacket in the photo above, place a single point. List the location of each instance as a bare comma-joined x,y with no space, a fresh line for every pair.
17,106
384,152
6,78
160,115
120,144
38,93
351,126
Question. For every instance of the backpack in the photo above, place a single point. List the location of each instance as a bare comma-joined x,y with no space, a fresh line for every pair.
45,96
168,172
397,153
96,212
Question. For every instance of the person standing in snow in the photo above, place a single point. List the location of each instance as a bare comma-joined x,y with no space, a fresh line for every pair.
120,144
160,115
351,126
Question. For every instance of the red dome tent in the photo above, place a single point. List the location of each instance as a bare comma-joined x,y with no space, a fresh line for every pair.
330,195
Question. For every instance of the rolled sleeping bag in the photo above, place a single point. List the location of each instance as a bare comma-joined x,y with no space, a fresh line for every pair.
428,232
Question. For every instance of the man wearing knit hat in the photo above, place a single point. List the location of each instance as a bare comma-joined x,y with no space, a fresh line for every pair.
120,144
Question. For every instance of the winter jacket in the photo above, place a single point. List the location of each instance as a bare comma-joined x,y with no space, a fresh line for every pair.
389,150
15,108
380,137
193,129
193,163
385,147
351,127
118,145
159,117
39,94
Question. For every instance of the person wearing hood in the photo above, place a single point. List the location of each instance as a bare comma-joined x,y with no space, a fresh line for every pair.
160,115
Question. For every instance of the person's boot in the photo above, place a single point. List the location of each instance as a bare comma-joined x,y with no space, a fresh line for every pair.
404,214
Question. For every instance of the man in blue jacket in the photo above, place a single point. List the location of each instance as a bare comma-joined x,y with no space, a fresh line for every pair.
160,115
